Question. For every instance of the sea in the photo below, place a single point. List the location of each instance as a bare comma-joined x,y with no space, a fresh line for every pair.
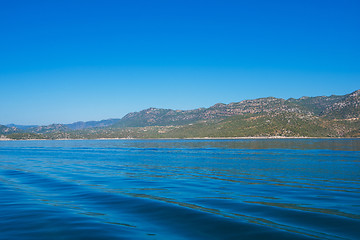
180,189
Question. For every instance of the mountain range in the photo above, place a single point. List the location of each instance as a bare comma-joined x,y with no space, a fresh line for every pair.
322,116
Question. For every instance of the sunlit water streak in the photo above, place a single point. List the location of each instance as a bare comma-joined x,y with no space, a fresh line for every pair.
180,189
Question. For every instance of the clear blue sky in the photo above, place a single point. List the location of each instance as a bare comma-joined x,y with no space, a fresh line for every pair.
65,61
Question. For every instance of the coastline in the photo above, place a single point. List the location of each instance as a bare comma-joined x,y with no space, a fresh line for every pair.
199,138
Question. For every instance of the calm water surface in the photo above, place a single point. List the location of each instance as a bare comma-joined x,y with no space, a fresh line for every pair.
180,189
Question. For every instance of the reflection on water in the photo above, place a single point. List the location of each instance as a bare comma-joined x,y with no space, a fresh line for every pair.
180,189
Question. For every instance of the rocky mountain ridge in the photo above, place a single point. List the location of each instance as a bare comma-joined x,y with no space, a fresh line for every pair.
335,116
343,107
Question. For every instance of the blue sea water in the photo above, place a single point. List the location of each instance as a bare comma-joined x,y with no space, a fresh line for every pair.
180,189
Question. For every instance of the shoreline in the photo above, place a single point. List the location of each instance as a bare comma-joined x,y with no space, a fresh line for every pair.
194,138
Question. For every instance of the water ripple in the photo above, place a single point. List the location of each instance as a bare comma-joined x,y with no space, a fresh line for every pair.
179,190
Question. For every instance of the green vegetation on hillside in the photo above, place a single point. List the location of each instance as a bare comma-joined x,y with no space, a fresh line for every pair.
334,116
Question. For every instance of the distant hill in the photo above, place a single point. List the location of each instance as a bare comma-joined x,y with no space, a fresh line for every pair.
49,129
322,116
7,130
341,107
346,107
92,124
21,126
163,117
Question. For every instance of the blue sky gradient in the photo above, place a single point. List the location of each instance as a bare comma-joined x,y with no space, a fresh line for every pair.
65,61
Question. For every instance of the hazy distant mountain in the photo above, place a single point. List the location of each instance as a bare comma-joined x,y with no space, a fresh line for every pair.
92,124
49,128
332,116
62,127
7,130
24,127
